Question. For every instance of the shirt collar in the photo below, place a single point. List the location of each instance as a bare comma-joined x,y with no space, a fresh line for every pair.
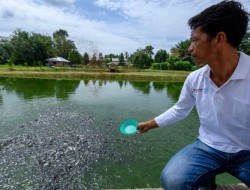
206,71
240,72
242,68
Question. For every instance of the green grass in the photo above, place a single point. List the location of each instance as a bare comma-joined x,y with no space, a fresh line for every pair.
86,72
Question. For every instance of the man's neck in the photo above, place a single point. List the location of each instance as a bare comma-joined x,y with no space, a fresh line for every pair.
223,67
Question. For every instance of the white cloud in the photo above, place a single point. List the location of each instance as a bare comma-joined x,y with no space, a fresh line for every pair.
159,23
57,3
33,17
112,5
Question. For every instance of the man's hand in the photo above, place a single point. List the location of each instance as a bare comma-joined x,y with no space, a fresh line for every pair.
143,127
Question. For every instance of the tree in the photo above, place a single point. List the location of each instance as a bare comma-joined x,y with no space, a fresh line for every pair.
24,47
245,44
21,48
140,59
126,55
149,51
181,50
121,59
75,57
5,50
107,59
100,59
10,62
62,45
42,47
161,56
61,32
31,48
93,60
85,58
172,59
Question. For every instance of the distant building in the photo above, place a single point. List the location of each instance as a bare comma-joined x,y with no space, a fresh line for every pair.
115,61
58,62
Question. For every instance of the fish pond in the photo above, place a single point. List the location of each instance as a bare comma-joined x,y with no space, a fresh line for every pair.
64,134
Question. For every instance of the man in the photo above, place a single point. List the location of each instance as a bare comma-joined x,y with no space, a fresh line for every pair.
221,93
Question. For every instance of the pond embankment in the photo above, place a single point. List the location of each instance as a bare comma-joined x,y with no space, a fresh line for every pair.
98,74
239,186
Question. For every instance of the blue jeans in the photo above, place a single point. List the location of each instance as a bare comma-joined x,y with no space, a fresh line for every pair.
197,164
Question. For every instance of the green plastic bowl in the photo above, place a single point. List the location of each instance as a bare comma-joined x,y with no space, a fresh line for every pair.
129,127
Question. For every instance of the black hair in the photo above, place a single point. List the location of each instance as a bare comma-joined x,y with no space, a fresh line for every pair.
226,16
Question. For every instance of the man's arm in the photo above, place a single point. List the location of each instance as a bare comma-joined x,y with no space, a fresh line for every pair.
177,112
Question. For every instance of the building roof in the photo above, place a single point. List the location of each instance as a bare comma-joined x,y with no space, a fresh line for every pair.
115,59
58,59
112,63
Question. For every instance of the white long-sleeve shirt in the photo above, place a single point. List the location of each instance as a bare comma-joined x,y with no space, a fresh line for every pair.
224,111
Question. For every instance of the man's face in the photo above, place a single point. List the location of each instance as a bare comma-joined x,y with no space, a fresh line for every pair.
201,48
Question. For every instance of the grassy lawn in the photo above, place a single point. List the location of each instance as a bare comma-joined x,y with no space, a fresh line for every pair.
86,72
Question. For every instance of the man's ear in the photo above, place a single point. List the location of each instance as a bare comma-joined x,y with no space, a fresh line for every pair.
221,38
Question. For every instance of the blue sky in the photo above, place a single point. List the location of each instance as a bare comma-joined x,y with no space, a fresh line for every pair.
106,26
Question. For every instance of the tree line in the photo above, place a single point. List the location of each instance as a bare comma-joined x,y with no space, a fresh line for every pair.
179,57
32,49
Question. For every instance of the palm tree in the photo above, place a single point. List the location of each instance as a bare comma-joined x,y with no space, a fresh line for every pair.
181,50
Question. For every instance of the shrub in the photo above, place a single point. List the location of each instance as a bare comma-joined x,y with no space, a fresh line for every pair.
160,66
10,62
183,65
171,60
26,64
38,63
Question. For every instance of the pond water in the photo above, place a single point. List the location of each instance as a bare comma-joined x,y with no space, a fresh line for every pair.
64,134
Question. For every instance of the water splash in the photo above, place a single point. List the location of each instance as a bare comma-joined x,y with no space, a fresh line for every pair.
58,151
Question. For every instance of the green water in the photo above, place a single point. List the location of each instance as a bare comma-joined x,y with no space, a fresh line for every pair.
23,100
